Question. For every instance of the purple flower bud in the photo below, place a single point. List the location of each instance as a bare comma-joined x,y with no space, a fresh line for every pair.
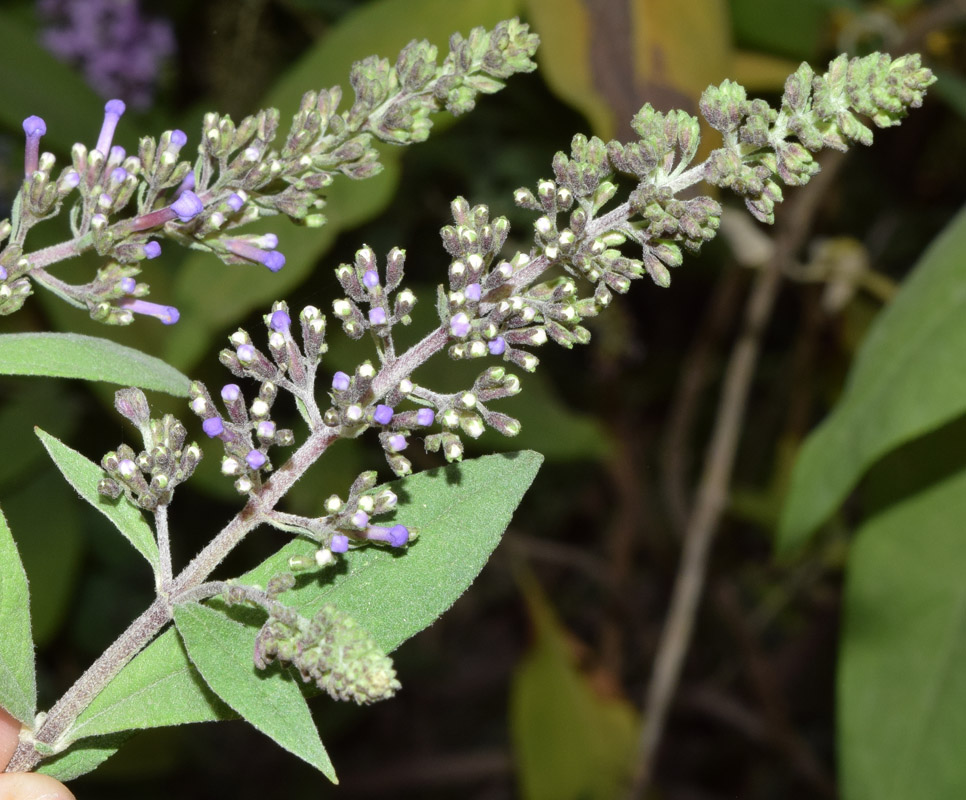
497,346
280,321
187,184
265,429
274,260
371,279
235,202
213,426
152,250
473,292
178,138
187,206
245,249
230,392
128,285
34,127
269,241
398,535
118,174
397,443
167,314
3,274
377,316
256,459
459,325
339,543
382,414
340,381
126,468
360,519
112,113
425,416
246,353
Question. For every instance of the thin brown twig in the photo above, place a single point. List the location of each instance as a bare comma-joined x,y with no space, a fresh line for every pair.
712,493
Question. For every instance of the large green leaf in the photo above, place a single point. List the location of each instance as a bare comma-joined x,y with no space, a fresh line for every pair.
84,475
270,700
69,355
18,687
379,28
570,740
460,513
159,687
902,669
908,379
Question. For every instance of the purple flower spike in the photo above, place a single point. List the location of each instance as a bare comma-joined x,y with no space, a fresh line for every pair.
167,314
230,392
128,285
152,250
497,346
371,279
340,381
459,325
425,416
382,414
187,206
398,535
473,292
235,202
280,321
377,316
397,443
339,543
256,459
213,426
34,127
112,113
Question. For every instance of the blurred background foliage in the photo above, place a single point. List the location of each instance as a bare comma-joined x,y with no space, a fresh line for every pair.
532,685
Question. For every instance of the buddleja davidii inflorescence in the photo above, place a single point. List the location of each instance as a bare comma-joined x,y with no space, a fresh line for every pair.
239,175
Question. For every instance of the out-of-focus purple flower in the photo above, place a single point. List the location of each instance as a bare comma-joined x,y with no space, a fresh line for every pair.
128,285
152,250
119,51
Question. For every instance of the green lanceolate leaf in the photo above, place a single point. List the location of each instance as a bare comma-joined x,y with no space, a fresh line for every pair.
159,687
70,355
908,379
83,757
84,475
459,512
270,700
18,688
901,679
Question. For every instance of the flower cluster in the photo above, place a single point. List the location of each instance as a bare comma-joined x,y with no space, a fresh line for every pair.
148,478
330,650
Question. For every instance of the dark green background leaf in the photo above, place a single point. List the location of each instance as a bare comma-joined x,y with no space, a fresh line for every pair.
907,379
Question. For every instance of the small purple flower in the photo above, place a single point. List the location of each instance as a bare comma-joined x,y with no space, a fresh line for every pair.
187,206
3,274
256,459
213,426
118,174
360,519
34,127
459,325
398,535
497,346
340,381
280,321
339,543
377,316
473,292
272,259
128,285
167,314
382,414
235,201
397,443
112,114
371,279
126,468
230,392
425,416
246,353
266,429
152,250
178,140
